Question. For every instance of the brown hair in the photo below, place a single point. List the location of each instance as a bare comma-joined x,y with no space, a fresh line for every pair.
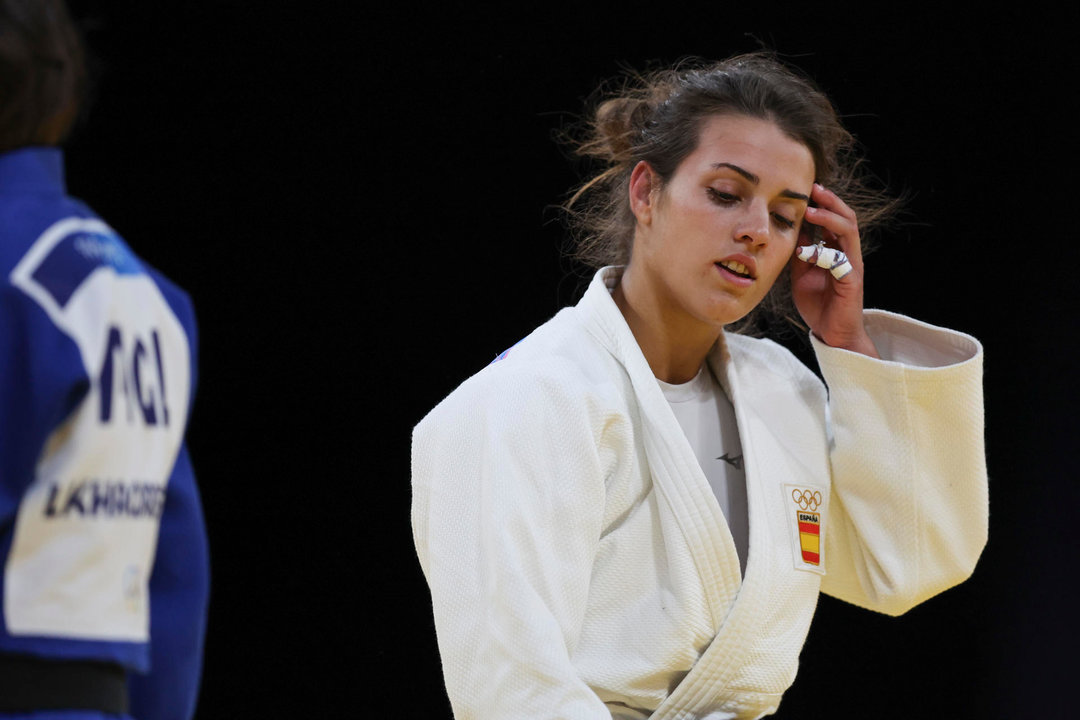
42,73
657,118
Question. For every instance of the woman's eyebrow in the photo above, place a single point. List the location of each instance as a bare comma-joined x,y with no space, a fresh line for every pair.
745,173
757,181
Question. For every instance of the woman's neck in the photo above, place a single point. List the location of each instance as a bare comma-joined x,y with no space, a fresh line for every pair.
675,347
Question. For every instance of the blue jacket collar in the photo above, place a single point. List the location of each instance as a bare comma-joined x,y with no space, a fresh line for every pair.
32,170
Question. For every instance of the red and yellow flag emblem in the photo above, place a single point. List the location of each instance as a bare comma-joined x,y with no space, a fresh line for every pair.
810,536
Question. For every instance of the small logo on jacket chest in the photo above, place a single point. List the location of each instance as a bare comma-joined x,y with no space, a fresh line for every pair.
806,510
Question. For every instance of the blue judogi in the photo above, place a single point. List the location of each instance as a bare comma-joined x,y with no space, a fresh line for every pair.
103,551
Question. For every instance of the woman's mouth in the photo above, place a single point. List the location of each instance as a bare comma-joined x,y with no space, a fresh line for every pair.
736,268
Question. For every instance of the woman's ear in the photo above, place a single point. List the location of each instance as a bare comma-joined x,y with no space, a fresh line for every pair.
644,184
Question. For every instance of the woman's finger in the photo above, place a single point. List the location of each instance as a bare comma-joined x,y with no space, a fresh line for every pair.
826,198
838,222
839,226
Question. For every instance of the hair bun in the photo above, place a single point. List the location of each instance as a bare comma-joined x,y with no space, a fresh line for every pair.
618,123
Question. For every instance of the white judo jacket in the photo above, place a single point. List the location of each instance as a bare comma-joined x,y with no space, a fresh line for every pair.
580,565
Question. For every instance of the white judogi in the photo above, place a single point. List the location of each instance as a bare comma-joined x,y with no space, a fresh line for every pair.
579,563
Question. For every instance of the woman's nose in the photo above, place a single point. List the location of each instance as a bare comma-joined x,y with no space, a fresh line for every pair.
754,225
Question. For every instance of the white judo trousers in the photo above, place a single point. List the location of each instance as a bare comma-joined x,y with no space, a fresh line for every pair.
580,565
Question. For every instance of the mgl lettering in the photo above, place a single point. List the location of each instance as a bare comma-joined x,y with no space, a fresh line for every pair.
130,370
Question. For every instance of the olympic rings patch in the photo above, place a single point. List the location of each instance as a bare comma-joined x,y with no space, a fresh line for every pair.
806,499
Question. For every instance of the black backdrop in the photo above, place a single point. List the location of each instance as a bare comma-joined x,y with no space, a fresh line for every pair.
359,202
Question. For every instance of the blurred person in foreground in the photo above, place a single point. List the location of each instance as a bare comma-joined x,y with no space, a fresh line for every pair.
103,554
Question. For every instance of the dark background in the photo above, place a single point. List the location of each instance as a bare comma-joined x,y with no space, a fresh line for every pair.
359,202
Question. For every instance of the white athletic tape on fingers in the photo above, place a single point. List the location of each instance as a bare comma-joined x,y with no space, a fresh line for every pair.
829,258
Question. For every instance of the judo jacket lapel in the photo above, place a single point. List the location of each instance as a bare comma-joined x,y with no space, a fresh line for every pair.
681,484
725,655
676,474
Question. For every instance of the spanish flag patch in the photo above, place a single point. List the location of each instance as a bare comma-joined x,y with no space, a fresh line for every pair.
810,537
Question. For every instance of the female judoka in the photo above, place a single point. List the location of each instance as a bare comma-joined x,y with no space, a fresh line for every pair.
631,512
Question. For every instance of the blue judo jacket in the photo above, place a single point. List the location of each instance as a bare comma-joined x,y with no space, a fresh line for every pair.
103,551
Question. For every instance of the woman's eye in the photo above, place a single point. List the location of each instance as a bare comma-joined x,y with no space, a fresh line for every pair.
783,221
721,197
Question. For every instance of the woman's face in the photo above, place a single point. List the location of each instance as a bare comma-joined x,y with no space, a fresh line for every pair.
711,243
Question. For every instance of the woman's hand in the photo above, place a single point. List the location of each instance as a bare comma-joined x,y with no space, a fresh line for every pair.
832,308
